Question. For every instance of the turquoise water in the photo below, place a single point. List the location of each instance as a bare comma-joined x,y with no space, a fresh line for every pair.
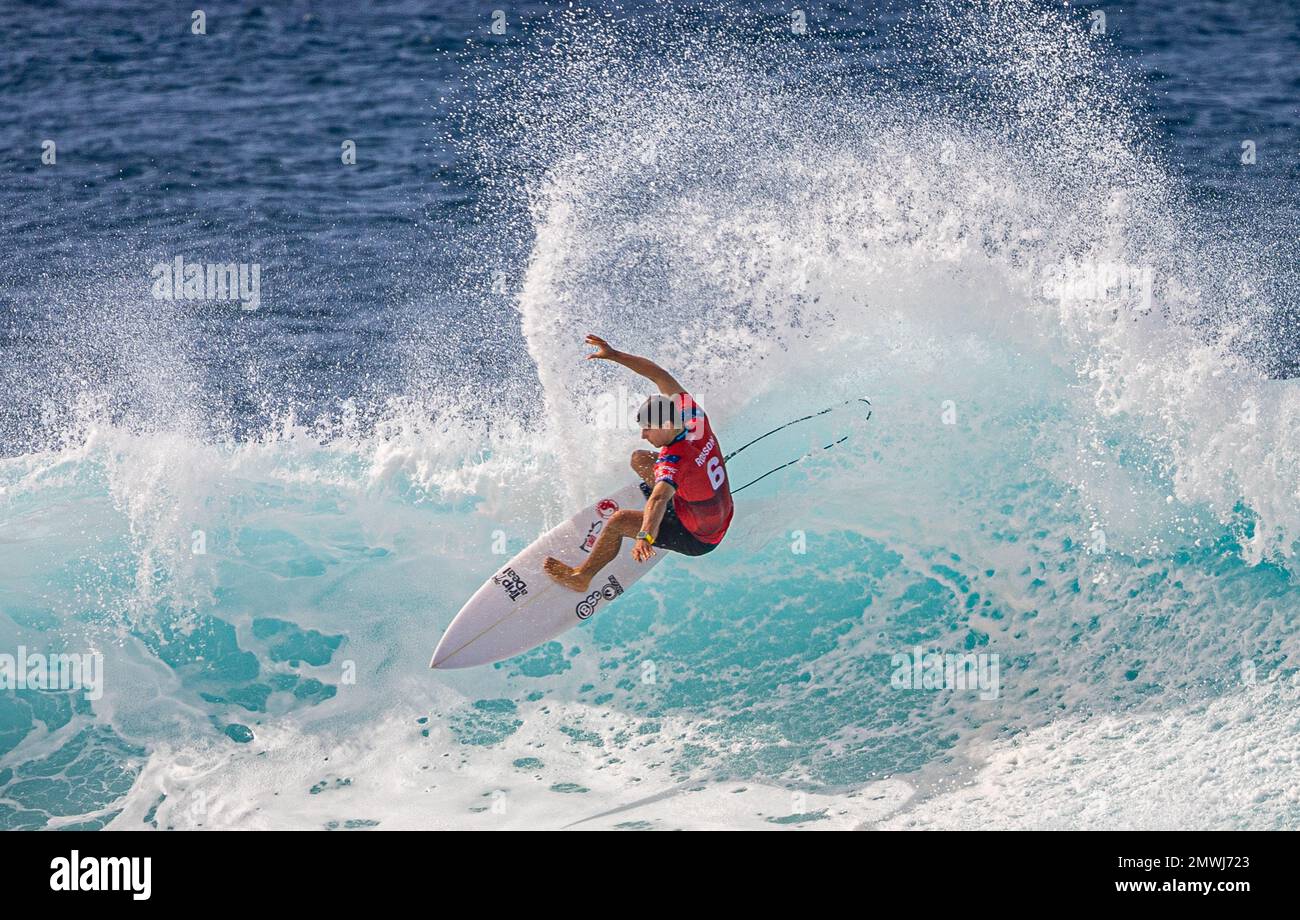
262,527
280,679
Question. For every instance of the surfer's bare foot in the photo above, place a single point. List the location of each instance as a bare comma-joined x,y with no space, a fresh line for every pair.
569,577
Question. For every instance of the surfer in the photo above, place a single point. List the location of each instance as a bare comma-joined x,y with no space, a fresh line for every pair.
688,507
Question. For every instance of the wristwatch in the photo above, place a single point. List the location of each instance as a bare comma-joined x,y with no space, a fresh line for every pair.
645,535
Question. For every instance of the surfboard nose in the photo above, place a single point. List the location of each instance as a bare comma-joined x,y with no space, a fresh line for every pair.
454,659
442,656
459,649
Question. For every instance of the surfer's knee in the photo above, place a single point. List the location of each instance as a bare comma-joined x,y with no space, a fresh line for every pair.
626,521
643,463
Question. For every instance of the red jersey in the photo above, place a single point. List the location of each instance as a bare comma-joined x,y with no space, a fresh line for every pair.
693,465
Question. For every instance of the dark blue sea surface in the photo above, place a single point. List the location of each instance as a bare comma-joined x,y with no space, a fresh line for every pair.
226,147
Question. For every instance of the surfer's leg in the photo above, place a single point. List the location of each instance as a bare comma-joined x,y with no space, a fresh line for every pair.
625,523
643,464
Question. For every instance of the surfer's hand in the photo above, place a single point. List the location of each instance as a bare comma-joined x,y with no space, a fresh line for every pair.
641,551
603,348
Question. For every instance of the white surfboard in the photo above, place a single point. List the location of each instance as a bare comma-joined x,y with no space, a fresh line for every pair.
520,606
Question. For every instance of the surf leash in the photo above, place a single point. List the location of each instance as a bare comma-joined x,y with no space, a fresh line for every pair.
848,402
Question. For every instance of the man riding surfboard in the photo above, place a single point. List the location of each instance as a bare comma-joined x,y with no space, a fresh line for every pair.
688,507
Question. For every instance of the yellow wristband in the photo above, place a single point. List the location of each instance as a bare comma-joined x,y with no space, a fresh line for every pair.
645,535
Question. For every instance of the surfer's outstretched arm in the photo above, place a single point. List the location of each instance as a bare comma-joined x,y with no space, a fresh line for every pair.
665,381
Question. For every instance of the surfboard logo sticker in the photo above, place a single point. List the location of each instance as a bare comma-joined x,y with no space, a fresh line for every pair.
587,606
606,508
515,587
593,532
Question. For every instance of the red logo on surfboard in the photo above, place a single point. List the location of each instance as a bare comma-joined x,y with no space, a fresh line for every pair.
606,507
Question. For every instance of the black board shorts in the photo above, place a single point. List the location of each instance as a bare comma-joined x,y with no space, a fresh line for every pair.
674,536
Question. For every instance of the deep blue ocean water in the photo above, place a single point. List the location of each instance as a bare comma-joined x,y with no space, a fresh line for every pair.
262,519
